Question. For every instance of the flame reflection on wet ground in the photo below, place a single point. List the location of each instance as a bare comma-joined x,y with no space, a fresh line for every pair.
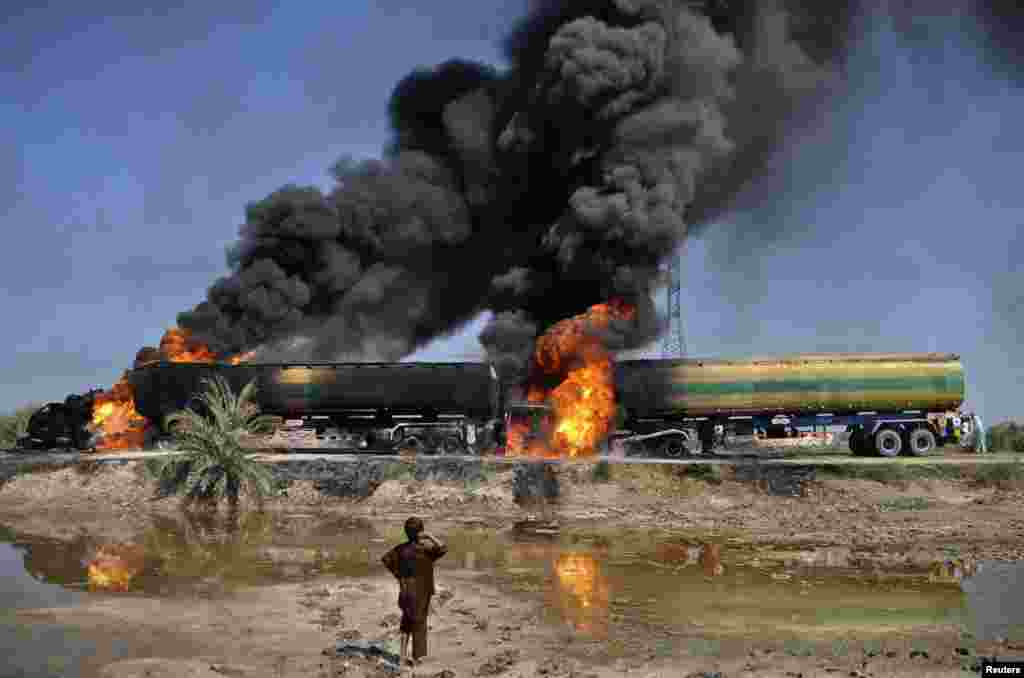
600,586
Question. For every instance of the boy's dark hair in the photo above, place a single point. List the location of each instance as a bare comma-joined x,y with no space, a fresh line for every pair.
413,527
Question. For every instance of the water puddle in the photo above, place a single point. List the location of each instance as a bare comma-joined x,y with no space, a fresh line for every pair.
34,578
599,585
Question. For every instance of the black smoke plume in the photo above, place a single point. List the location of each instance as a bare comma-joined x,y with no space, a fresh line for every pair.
536,191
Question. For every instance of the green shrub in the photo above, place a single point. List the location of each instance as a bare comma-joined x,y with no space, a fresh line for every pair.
14,424
397,471
602,472
1006,437
1004,476
214,465
709,473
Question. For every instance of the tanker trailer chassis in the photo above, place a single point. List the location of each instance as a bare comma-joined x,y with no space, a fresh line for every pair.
889,434
384,433
892,434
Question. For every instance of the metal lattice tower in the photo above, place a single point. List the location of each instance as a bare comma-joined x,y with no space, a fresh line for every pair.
673,343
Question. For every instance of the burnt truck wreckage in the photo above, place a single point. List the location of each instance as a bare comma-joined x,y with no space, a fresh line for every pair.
61,425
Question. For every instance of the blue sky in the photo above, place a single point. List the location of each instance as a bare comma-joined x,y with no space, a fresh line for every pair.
130,145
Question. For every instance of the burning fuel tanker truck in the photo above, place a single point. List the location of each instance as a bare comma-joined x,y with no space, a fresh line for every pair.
890,403
421,407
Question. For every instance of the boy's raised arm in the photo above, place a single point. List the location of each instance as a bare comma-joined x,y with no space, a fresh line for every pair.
438,548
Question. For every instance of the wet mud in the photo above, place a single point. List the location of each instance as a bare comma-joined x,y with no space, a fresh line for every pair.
638,573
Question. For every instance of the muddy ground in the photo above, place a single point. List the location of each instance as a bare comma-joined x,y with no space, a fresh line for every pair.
907,514
282,630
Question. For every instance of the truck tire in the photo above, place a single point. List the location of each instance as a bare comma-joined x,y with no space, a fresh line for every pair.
888,443
921,442
674,447
860,444
451,445
411,445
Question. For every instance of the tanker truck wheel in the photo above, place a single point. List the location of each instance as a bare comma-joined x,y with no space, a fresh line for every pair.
674,447
859,444
411,445
451,445
888,443
921,442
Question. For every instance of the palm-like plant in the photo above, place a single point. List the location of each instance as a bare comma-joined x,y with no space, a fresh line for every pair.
214,465
15,425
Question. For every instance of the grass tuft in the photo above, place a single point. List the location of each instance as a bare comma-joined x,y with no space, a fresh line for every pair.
602,472
892,474
397,471
709,473
1003,476
660,480
905,504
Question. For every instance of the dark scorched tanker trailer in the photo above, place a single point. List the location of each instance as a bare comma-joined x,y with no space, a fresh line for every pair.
449,407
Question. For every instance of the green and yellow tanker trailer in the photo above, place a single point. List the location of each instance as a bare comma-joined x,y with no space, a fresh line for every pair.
891,403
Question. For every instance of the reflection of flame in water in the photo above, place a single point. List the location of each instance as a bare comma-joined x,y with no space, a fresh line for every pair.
711,560
114,566
680,554
583,592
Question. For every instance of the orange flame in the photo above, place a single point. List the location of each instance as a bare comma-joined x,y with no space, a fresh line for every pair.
179,346
583,403
242,357
584,592
114,415
114,566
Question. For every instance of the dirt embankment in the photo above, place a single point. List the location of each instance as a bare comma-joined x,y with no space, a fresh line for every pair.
907,513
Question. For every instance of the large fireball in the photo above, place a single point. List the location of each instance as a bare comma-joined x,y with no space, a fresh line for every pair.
572,353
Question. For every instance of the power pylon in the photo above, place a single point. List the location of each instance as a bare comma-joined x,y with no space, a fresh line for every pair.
673,342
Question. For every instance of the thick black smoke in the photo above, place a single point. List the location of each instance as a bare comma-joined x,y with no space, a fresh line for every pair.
534,192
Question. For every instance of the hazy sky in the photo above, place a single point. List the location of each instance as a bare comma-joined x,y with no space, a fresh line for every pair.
131,144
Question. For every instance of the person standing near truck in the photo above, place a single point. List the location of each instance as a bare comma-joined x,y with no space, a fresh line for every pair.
412,564
980,441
